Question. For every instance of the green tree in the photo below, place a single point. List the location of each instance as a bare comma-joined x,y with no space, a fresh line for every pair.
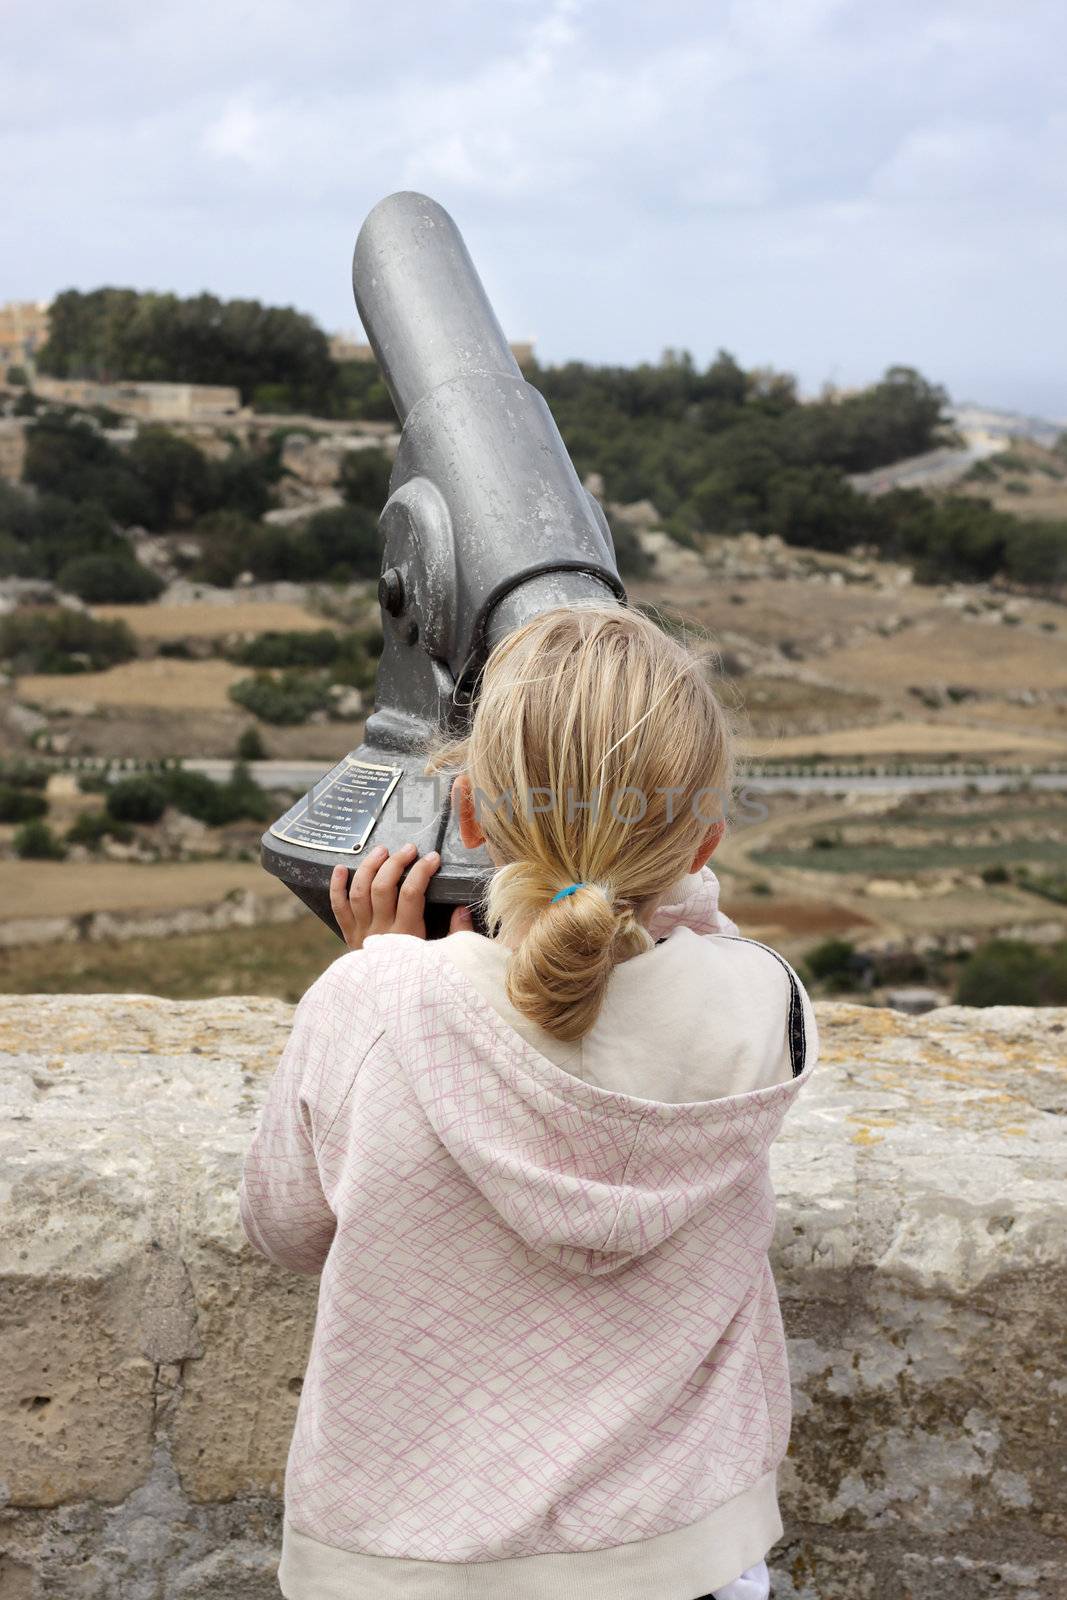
833,962
46,640
365,479
114,333
174,473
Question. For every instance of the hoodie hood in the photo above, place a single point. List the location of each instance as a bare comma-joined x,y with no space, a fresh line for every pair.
585,1177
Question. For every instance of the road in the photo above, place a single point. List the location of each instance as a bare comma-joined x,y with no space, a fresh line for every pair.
935,469
300,775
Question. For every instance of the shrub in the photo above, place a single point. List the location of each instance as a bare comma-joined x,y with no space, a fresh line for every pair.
1010,972
94,826
365,478
293,649
103,579
22,775
1050,885
982,472
94,782
35,841
20,805
137,799
197,796
42,532
346,543
997,873
244,798
61,640
631,557
357,658
224,539
250,746
289,699
834,963
215,804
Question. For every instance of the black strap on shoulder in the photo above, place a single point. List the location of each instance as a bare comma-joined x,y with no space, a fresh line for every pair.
795,1030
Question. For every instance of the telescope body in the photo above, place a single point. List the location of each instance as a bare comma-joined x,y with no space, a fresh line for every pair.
486,525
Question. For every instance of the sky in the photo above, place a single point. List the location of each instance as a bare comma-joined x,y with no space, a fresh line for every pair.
828,187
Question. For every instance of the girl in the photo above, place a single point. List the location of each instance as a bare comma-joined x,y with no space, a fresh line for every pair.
532,1169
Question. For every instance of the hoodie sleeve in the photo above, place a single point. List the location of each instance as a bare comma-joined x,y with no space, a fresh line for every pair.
284,1211
696,906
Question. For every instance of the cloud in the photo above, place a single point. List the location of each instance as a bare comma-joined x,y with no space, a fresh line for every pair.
237,133
827,184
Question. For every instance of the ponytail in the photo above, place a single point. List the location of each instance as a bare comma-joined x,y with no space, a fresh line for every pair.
619,726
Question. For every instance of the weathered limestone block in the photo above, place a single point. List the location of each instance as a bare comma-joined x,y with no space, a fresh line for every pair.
152,1362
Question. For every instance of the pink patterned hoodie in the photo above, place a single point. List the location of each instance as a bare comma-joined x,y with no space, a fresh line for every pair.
548,1361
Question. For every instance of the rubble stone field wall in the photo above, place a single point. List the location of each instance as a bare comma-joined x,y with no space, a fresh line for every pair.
153,1363
241,908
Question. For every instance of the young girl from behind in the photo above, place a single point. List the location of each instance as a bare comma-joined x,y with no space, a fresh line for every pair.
532,1168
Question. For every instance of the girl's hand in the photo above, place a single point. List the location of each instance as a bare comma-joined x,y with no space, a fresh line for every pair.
372,903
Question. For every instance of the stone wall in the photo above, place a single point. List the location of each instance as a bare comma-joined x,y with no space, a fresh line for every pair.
152,1363
150,402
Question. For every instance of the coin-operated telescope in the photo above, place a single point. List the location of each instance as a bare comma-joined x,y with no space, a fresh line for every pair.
486,525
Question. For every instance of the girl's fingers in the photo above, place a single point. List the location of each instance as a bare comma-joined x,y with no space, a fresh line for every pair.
339,903
362,878
461,920
411,903
360,895
371,903
383,888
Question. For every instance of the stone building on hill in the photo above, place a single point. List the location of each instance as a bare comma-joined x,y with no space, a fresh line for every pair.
23,330
148,402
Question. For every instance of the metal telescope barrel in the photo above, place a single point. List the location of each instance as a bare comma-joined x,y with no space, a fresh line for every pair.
421,301
486,525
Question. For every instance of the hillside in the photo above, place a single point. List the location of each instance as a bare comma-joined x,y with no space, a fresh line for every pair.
205,587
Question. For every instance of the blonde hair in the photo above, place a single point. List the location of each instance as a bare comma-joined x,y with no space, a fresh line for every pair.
579,711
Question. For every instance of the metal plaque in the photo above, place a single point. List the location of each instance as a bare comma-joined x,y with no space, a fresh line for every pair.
339,812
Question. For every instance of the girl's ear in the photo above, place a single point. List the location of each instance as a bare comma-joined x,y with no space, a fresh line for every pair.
463,806
707,847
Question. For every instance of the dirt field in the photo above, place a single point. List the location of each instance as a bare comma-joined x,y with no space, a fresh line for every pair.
779,920
954,650
160,684
201,620
281,961
69,889
911,739
1039,479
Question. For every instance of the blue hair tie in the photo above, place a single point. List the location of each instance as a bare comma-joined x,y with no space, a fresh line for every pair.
563,893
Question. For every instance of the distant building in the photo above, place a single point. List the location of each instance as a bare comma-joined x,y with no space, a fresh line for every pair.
349,347
23,330
148,402
997,429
